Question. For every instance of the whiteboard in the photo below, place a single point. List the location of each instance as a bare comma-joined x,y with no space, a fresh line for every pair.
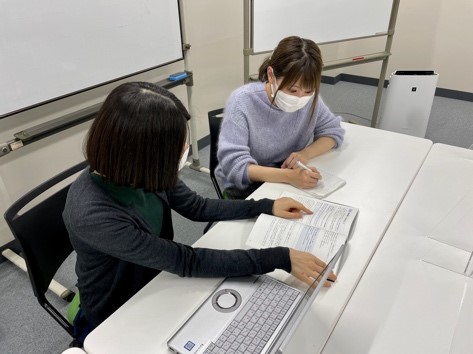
322,21
53,48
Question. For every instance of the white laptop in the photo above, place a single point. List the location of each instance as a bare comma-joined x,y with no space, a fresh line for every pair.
253,314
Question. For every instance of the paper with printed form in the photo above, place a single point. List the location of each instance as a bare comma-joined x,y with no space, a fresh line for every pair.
321,233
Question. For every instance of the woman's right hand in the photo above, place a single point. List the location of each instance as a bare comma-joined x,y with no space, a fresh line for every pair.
306,267
303,179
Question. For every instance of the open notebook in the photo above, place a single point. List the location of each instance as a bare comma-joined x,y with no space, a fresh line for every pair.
326,186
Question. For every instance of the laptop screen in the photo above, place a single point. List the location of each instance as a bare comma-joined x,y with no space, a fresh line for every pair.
304,305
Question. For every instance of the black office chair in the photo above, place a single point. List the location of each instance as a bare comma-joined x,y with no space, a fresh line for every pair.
215,121
43,238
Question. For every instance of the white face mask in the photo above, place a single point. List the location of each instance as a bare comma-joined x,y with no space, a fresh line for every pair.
183,160
286,102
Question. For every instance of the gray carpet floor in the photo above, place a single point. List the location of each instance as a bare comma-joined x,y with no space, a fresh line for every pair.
26,328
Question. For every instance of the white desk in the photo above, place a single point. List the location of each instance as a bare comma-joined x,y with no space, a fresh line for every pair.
404,304
379,167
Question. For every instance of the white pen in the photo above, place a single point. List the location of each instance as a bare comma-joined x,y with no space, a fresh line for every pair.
301,165
304,167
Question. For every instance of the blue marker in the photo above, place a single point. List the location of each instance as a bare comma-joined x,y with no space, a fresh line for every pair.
178,76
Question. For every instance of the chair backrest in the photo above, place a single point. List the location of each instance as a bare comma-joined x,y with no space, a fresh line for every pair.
215,121
43,237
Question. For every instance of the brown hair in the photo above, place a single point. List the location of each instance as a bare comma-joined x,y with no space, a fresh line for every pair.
137,137
295,59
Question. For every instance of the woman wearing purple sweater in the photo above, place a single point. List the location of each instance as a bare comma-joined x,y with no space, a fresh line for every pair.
272,124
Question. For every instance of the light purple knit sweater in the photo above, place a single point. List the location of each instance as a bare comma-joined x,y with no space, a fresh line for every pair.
254,131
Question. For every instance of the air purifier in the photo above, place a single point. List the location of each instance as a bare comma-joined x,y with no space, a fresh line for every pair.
407,102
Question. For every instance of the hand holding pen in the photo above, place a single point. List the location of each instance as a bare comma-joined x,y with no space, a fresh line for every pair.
301,165
304,177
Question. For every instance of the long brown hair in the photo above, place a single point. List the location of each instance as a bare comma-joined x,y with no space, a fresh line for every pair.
137,137
294,59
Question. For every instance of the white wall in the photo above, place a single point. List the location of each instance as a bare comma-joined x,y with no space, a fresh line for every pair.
430,34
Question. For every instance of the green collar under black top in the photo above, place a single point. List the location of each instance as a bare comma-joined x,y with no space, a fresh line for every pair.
148,205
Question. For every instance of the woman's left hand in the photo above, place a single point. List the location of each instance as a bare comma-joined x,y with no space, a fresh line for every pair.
292,159
289,208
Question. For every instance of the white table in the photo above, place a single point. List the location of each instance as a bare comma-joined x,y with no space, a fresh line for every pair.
379,167
413,297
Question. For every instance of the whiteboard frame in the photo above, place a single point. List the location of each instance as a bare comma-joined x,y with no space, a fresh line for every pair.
334,64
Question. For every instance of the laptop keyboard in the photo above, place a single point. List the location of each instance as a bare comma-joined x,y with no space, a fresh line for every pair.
256,322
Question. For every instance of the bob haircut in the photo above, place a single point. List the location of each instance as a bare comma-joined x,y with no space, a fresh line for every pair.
138,137
294,59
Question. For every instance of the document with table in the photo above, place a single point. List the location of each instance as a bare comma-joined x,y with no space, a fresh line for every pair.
321,233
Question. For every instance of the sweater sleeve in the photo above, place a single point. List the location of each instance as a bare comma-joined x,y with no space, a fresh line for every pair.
328,124
98,226
234,154
194,207
109,230
121,239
